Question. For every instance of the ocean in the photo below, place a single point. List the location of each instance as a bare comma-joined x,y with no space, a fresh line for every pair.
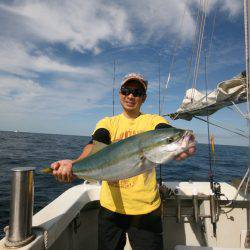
40,150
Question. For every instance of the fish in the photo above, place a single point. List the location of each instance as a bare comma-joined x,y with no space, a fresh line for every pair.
133,155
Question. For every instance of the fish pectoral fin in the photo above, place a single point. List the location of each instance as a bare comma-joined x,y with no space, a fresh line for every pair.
152,157
148,166
97,146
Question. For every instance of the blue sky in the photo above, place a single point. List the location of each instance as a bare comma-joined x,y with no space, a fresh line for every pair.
56,60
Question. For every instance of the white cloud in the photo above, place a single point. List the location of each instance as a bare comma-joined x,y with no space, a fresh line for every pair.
27,26
232,7
22,96
23,60
78,24
84,25
163,18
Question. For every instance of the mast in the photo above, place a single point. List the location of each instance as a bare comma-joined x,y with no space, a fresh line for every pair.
247,46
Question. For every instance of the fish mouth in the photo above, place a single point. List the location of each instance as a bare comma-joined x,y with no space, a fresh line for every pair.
187,140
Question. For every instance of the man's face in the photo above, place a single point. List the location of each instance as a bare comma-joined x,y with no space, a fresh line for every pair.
130,102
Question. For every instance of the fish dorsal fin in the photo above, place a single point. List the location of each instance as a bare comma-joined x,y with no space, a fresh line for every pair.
97,146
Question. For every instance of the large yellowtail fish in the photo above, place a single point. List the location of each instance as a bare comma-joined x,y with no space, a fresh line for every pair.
134,155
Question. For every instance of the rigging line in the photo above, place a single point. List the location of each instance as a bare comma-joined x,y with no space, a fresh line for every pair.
159,85
216,125
193,49
202,26
211,170
177,43
200,21
113,92
198,43
228,126
212,35
238,110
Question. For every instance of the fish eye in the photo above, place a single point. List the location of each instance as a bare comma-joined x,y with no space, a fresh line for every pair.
169,140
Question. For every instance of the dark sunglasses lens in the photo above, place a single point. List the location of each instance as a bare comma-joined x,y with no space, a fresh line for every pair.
134,92
125,91
137,92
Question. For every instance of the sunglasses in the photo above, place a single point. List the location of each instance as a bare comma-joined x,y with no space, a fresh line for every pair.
135,92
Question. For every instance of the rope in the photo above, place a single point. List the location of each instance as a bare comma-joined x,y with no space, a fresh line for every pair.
45,235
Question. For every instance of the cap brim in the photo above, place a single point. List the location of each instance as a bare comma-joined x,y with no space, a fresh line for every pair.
135,79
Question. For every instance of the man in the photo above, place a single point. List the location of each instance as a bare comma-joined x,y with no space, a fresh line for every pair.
132,205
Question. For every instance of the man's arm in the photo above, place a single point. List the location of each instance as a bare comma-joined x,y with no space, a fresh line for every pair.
63,169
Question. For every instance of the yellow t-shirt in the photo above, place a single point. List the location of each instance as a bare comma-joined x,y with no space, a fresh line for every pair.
139,194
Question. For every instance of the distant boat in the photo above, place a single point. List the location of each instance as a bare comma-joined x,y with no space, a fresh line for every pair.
15,131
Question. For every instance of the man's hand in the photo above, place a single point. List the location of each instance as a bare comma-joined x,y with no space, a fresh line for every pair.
186,154
191,150
62,170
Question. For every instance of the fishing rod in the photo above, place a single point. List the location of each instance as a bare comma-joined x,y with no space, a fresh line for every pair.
211,175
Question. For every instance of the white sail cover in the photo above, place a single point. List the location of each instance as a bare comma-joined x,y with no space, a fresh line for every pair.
196,103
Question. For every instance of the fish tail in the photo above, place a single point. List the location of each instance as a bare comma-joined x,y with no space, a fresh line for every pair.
46,170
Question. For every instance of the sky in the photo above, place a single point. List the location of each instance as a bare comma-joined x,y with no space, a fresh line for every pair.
57,60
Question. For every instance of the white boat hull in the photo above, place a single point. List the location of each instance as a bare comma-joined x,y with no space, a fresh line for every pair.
70,221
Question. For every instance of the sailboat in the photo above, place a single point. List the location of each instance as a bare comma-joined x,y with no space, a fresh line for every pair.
204,215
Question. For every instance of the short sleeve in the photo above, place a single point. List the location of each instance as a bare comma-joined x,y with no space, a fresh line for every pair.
157,119
104,123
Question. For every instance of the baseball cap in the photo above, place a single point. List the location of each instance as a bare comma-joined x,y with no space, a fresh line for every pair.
136,77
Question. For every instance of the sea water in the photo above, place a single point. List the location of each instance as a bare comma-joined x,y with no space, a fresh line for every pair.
40,150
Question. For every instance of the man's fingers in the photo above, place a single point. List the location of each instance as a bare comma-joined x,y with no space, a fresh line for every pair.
62,170
55,165
184,155
192,150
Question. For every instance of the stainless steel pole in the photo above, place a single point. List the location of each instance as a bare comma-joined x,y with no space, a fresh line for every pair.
21,207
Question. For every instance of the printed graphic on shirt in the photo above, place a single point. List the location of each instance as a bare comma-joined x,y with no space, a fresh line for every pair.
126,134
